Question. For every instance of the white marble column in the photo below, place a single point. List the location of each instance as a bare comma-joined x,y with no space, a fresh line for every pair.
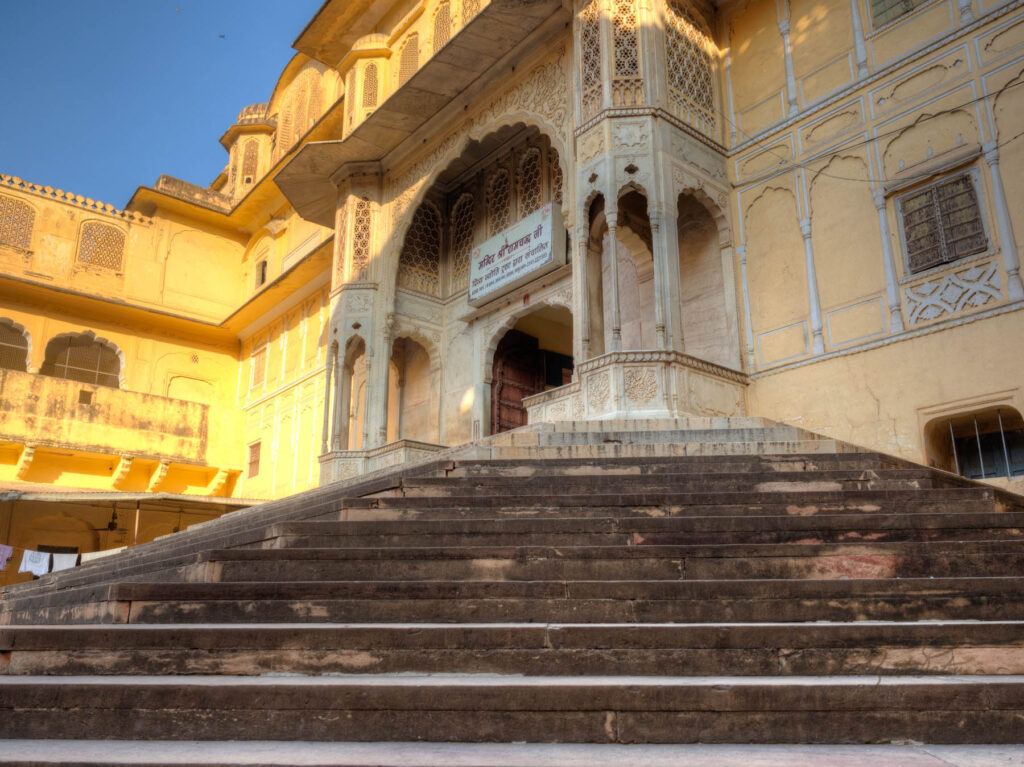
672,291
329,369
343,404
613,274
787,50
818,344
747,327
966,13
1007,242
581,288
860,50
892,288
660,254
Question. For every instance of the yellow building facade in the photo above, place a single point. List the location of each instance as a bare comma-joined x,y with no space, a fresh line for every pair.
807,210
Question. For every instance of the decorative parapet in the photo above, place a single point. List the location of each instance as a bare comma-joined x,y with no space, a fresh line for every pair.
337,465
60,195
198,195
643,384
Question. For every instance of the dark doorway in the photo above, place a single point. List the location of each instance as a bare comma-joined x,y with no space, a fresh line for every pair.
522,368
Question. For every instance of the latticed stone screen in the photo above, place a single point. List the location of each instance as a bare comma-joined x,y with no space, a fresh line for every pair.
690,79
462,241
942,223
82,358
410,59
529,182
101,245
370,84
590,58
16,221
442,26
470,8
258,365
250,161
627,55
361,225
350,100
13,347
499,202
419,267
555,175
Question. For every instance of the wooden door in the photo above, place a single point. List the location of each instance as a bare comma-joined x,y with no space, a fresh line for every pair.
518,372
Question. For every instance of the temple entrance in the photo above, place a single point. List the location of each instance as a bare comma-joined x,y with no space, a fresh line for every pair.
536,355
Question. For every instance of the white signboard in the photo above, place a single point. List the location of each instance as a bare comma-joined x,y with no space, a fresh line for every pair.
526,250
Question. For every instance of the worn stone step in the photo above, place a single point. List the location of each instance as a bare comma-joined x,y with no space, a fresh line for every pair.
674,465
825,481
482,708
986,598
558,649
113,753
790,494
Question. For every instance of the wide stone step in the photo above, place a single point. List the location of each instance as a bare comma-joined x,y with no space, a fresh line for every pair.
824,481
113,753
493,708
638,450
599,562
987,598
790,493
534,649
673,465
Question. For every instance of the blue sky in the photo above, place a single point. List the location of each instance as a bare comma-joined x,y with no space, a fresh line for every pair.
102,97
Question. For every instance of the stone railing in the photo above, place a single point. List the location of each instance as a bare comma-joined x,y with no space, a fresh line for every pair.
59,195
337,465
643,384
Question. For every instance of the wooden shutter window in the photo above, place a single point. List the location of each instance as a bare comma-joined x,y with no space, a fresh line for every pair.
942,223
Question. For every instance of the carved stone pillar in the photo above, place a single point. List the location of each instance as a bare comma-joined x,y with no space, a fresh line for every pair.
661,257
892,288
581,290
342,403
1007,242
787,50
747,327
329,369
860,50
966,13
377,390
818,344
613,256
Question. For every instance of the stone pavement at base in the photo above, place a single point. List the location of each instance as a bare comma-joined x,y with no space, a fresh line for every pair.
285,754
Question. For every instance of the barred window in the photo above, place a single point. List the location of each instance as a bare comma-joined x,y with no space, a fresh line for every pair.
884,11
370,86
627,56
254,460
84,358
462,241
361,239
101,245
590,60
555,175
13,346
690,67
442,26
529,182
258,365
250,160
419,263
942,223
409,61
499,202
16,221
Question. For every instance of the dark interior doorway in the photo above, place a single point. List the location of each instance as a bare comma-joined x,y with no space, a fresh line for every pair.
521,369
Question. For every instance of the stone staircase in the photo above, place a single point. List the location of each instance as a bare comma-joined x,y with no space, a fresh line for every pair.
708,581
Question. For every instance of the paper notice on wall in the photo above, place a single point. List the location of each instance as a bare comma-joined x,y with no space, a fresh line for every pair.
5,554
523,252
35,562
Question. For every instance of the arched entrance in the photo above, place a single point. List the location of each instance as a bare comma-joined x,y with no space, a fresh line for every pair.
533,356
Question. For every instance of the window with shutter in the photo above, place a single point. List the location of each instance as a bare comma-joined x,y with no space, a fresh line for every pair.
942,223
